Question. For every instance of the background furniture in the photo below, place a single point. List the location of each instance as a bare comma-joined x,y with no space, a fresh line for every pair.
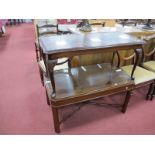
143,74
149,59
2,24
136,31
44,25
15,21
43,28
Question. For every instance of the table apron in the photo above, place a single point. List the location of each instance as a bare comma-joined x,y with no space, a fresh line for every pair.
62,54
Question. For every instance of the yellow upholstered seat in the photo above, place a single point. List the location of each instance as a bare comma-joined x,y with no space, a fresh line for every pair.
150,65
141,75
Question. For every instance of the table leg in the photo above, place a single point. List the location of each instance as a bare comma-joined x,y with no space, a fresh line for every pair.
50,68
41,76
149,91
56,120
127,98
153,93
36,49
2,31
47,99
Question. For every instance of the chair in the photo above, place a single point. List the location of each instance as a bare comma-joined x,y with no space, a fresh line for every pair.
96,22
142,76
63,25
42,66
47,29
44,27
15,21
125,22
149,61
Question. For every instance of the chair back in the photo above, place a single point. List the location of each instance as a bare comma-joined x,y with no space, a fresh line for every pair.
149,48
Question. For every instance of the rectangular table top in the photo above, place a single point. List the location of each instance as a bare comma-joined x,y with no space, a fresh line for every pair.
81,81
54,44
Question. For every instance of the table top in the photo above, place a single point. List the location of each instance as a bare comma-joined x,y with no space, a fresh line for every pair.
82,42
88,80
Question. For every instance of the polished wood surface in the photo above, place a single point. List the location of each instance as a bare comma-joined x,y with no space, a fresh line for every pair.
70,43
85,83
135,31
87,80
55,47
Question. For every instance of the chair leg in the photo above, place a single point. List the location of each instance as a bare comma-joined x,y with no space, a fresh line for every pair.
127,98
153,93
36,49
56,120
149,91
2,32
41,76
47,99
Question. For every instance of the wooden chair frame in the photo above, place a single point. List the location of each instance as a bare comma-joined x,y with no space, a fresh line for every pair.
133,57
150,54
